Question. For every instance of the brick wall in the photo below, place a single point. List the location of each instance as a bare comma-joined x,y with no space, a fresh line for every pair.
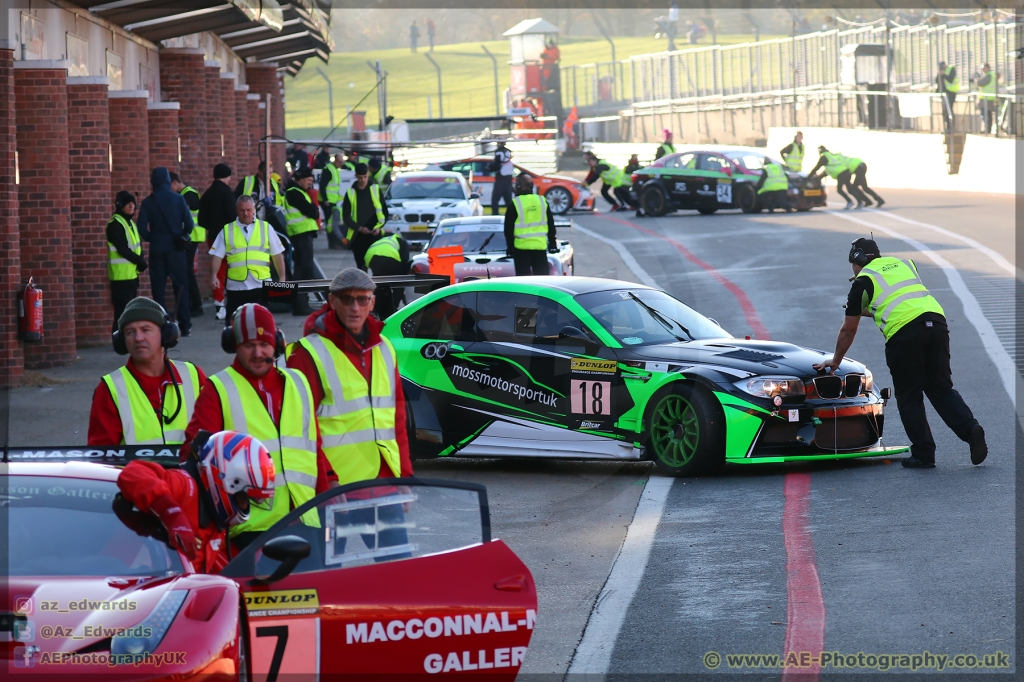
263,79
243,134
163,134
227,128
91,206
11,356
41,117
214,120
255,124
183,80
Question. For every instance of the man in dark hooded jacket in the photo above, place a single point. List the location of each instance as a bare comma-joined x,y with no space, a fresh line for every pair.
166,223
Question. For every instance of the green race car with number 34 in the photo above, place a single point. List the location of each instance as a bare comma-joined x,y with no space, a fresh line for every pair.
581,367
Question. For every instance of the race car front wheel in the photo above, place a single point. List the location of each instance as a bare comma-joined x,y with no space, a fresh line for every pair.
559,200
685,431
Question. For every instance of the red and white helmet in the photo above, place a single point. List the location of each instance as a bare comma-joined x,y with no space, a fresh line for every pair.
236,469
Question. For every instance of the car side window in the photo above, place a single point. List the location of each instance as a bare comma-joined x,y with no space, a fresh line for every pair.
495,315
452,318
710,162
481,168
538,320
681,161
464,168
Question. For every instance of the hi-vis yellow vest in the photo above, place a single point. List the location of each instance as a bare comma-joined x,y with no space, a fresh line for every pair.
776,180
291,443
120,269
795,159
198,233
530,232
385,246
899,295
140,424
296,222
357,420
333,188
247,255
353,202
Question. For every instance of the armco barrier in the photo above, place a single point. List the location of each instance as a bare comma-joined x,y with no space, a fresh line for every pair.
913,160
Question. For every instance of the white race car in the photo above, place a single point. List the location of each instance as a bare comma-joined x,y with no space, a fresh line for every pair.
418,201
483,248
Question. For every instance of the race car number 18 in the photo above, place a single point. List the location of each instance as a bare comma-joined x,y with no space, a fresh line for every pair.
591,397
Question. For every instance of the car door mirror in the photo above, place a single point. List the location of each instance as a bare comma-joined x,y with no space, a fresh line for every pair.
289,550
474,195
578,335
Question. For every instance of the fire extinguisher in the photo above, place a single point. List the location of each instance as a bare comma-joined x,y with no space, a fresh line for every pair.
30,313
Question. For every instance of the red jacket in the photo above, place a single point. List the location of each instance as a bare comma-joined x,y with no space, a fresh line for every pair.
359,355
209,416
147,484
105,422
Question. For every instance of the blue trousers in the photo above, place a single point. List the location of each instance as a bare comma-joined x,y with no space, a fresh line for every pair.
171,264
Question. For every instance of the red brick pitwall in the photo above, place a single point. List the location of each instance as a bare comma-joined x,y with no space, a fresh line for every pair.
91,206
243,135
227,113
44,212
256,123
11,356
214,120
263,79
183,80
129,148
163,134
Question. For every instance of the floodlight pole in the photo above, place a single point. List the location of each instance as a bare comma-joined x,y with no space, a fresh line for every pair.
440,104
494,61
330,94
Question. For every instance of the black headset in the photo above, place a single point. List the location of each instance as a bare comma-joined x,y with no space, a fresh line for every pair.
169,335
229,344
857,255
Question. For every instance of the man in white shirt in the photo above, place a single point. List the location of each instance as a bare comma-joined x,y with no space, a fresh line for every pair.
249,246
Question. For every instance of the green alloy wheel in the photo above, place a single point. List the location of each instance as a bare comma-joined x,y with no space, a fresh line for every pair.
685,432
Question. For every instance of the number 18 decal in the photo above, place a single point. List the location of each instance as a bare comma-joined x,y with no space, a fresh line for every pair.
591,397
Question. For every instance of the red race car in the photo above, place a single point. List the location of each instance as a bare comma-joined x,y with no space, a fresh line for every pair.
375,579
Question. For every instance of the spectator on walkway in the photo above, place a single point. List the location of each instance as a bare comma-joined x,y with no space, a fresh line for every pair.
166,223
431,31
948,85
414,35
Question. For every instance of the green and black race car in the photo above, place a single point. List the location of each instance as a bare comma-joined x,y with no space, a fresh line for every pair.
715,179
594,368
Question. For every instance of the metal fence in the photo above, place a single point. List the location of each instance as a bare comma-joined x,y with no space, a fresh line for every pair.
790,67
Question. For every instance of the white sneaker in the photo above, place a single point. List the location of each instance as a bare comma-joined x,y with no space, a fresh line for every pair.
222,313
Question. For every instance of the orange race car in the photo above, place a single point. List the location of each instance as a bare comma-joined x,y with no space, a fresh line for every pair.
563,193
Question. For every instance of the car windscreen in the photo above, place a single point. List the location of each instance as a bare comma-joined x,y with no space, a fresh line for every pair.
471,242
426,188
752,162
68,527
646,316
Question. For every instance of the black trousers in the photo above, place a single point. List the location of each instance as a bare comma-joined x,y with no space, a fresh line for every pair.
918,359
233,300
171,264
388,298
195,298
531,263
860,182
987,110
947,111
775,199
622,196
121,292
845,181
502,190
360,243
302,255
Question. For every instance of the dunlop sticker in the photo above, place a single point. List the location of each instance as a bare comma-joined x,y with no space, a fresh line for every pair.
584,366
282,603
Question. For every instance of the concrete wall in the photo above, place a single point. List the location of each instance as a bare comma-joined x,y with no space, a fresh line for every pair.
915,160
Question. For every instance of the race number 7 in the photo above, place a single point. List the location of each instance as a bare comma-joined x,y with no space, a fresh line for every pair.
591,397
285,648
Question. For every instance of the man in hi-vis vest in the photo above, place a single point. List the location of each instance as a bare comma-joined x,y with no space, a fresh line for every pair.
890,291
273,405
357,390
150,399
529,230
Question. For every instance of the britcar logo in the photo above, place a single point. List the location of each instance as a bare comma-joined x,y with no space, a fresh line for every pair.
590,425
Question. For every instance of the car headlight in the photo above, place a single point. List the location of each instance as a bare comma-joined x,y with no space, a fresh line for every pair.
867,384
145,637
393,217
767,387
446,216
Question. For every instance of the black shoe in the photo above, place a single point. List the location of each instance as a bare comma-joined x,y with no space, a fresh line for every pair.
639,213
198,312
185,334
880,204
915,463
979,449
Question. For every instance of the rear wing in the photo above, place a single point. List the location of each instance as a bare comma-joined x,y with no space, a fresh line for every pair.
117,455
286,292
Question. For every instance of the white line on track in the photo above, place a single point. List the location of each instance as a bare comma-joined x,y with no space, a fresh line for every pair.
989,340
624,254
594,653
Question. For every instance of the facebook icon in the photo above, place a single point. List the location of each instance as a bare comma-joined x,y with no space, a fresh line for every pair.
23,656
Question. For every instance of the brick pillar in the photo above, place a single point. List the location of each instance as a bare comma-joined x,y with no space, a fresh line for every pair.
243,146
183,80
163,134
263,79
227,128
256,125
214,117
12,359
91,206
44,213
129,148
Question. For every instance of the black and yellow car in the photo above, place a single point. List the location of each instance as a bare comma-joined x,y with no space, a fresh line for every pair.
711,180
